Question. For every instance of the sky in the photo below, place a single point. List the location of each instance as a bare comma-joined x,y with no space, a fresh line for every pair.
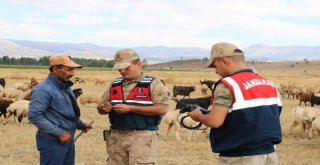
171,23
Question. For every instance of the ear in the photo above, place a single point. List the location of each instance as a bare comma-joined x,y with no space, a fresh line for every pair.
56,69
139,64
226,61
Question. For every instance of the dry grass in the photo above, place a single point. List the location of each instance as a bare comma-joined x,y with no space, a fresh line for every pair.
18,142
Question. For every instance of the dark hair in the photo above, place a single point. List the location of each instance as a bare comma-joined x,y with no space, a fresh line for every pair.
135,61
238,51
51,67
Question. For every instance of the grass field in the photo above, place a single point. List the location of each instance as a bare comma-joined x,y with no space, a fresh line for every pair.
17,142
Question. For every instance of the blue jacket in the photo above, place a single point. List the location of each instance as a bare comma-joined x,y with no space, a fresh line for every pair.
52,110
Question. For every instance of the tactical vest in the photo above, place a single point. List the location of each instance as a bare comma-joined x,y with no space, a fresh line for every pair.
139,96
252,125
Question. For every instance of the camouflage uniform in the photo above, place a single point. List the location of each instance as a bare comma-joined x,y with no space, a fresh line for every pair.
222,96
140,144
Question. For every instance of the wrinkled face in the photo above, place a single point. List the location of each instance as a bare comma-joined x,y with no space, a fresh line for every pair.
63,73
132,72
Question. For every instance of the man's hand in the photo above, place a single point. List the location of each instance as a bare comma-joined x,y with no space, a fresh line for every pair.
195,114
64,138
87,128
104,108
122,108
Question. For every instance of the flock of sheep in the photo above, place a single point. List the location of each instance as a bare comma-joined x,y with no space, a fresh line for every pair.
308,117
14,101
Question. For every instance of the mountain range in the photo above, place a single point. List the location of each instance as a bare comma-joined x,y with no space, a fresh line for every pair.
153,54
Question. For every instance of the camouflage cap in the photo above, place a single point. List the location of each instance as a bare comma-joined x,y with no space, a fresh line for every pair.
223,49
124,57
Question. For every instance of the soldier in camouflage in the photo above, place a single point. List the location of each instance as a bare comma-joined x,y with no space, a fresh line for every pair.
135,103
245,113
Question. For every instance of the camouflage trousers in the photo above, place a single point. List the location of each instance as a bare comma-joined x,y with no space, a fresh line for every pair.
266,159
131,147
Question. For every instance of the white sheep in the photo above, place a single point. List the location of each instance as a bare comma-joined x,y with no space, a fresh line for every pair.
304,116
25,86
20,86
170,118
25,95
11,93
315,125
204,88
19,109
87,98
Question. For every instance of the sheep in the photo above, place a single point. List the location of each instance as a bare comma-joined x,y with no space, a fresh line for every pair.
295,92
305,97
315,126
79,80
24,87
204,89
183,90
89,99
99,81
210,84
304,116
34,81
170,118
11,93
4,104
286,89
315,100
25,95
2,82
18,109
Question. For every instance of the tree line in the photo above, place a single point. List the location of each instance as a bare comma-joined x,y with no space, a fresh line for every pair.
44,61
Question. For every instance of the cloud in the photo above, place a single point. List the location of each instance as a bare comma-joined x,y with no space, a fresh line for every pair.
68,19
175,22
28,30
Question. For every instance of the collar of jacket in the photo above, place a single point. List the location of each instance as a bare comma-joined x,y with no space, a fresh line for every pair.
58,83
239,71
139,78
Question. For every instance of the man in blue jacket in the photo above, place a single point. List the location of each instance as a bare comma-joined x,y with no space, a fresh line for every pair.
54,110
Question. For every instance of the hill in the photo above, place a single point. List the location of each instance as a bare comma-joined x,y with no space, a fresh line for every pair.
200,65
153,54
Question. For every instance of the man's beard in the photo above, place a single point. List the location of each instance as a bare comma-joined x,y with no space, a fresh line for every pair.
64,81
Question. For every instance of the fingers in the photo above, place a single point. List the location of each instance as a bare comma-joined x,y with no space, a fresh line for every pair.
195,114
88,127
121,108
65,138
104,107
